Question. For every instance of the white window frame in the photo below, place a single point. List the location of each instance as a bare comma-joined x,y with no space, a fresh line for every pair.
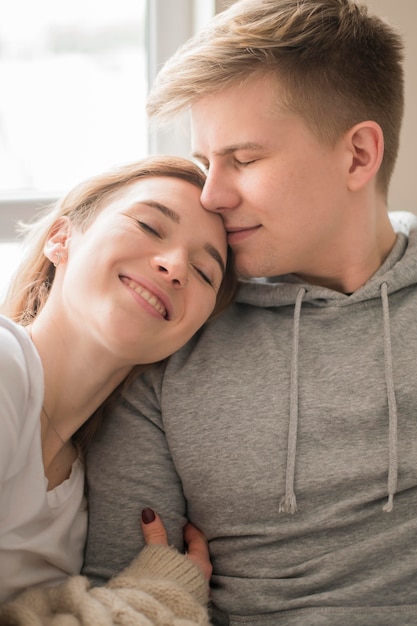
167,30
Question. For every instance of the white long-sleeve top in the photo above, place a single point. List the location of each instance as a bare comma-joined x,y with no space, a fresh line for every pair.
42,533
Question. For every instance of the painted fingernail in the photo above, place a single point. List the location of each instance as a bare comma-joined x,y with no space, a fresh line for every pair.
148,516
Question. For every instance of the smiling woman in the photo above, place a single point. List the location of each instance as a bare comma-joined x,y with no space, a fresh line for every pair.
117,275
66,69
161,258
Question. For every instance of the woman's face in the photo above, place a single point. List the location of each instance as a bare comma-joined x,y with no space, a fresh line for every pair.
145,274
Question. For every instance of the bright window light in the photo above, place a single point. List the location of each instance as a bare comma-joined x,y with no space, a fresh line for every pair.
74,84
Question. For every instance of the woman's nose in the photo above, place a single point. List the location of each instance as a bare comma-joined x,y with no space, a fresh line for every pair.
173,266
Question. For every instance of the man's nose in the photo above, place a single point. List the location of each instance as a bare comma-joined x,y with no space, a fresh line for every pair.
219,193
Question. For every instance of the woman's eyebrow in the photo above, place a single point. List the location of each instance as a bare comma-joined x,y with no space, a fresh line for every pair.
174,217
169,213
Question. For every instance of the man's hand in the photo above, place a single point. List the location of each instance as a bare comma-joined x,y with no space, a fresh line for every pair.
197,548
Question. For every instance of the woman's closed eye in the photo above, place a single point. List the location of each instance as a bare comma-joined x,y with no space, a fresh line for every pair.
148,229
203,275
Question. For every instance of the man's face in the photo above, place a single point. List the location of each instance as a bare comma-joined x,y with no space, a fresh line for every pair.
281,192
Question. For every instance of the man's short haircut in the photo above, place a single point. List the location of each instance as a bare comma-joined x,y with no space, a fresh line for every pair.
336,65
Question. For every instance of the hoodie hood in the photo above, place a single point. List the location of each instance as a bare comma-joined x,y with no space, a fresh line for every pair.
397,272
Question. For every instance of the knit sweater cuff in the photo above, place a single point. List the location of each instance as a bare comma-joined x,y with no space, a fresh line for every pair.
162,562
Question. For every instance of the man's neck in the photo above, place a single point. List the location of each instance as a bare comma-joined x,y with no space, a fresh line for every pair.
349,270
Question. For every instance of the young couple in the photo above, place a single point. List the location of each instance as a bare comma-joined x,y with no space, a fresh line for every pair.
285,429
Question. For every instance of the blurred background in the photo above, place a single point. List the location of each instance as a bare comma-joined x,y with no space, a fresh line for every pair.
74,76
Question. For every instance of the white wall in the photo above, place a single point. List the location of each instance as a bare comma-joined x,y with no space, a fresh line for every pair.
403,15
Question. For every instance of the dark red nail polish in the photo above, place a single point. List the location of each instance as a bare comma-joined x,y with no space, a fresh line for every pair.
148,516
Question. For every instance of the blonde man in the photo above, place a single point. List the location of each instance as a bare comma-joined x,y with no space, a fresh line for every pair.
302,469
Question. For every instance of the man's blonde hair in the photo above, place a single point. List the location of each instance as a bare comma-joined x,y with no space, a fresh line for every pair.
336,65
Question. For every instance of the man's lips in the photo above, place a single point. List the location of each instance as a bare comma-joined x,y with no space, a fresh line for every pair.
149,296
236,234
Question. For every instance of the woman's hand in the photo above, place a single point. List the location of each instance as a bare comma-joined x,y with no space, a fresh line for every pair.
197,548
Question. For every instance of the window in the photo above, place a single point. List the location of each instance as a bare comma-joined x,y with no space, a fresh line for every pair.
74,83
74,78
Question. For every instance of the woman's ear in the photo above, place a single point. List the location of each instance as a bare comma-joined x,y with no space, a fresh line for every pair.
56,245
366,148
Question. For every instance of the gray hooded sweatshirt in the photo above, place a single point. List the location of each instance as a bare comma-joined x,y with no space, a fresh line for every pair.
286,430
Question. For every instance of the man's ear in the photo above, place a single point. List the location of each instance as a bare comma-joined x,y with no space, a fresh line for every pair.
56,245
365,143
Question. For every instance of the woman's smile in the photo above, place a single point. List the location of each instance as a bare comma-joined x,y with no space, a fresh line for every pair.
150,298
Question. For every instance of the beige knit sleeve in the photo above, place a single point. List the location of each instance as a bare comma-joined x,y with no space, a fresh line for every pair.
160,587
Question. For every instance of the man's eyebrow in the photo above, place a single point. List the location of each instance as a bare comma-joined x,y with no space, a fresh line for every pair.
173,216
169,213
247,145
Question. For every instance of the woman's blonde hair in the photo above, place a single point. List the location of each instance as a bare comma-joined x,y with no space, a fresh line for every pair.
335,65
30,286
32,281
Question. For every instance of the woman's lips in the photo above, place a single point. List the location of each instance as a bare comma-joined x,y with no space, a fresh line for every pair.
150,297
